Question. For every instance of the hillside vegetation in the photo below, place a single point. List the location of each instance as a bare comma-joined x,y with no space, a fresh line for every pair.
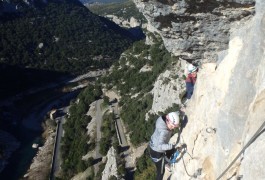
133,76
92,2
74,142
134,84
64,37
40,42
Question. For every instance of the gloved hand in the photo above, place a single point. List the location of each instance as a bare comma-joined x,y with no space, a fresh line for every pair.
174,147
180,148
184,146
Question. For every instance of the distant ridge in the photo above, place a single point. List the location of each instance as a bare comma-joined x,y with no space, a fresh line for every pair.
56,36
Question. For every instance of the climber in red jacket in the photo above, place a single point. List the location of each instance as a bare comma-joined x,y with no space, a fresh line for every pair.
190,80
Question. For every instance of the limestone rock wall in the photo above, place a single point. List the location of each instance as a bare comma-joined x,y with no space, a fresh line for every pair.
228,105
111,165
194,30
230,98
127,23
168,88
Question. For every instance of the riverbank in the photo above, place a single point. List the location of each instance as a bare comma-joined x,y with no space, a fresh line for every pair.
22,118
41,163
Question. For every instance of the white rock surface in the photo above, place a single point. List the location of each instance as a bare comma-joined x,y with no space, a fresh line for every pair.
91,127
167,89
127,23
111,165
230,98
146,68
134,22
191,29
40,45
229,93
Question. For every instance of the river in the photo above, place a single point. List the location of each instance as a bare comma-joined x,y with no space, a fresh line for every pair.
27,111
21,159
28,115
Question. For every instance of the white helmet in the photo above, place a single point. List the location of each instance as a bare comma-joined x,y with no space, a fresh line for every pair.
173,118
192,68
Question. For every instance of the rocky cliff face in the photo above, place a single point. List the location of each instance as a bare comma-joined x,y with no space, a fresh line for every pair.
195,30
227,107
111,165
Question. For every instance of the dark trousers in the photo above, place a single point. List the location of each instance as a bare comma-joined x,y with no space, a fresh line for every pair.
189,89
160,169
160,165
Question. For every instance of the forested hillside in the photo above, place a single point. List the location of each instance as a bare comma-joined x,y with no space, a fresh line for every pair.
100,1
60,36
133,76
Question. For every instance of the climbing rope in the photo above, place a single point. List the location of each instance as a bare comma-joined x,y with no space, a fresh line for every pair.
244,148
190,155
186,148
185,168
186,151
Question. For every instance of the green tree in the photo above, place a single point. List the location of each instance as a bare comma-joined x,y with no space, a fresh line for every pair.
106,100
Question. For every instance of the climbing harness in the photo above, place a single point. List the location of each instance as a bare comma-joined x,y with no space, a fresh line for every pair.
174,156
163,162
254,137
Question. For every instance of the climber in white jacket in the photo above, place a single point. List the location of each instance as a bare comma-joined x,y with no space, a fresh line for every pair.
159,142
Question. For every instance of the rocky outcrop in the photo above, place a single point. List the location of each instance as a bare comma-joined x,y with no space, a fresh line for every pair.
195,30
127,23
134,22
227,107
111,165
168,85
41,164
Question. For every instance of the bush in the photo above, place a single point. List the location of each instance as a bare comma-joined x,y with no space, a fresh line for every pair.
108,133
145,168
113,178
106,100
74,142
